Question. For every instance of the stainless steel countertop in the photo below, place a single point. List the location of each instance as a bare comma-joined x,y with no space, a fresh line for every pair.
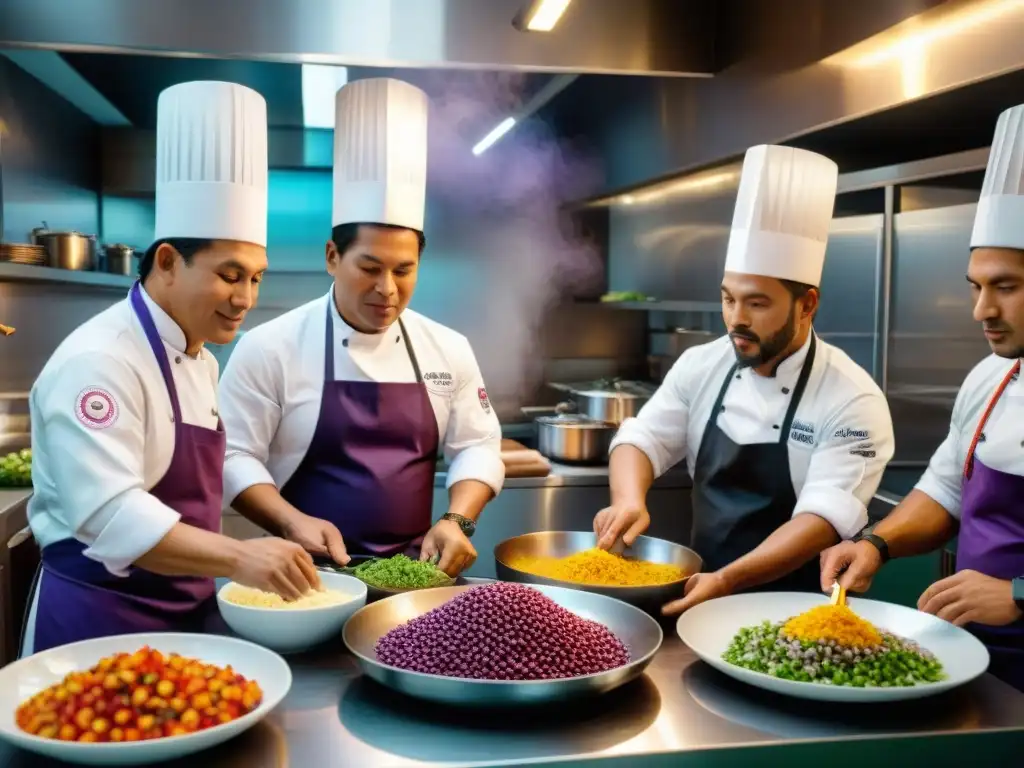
565,475
334,716
10,497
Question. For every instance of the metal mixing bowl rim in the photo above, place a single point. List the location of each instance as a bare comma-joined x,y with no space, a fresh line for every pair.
560,582
373,606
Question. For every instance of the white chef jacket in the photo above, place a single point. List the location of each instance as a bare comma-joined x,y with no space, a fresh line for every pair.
273,384
839,444
92,482
1002,448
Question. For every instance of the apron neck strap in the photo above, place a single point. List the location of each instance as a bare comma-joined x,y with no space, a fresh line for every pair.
798,390
329,346
969,461
157,345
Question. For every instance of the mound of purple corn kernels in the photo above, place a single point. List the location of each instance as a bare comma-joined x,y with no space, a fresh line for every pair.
502,632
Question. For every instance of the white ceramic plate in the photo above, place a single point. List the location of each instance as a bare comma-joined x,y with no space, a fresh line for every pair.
22,679
709,628
295,629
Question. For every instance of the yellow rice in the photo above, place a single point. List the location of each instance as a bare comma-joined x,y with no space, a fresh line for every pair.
599,568
833,622
257,598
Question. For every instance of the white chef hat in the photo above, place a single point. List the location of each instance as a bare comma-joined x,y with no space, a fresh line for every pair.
783,212
999,221
211,163
380,153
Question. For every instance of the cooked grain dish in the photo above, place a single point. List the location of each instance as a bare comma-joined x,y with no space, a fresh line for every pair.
257,598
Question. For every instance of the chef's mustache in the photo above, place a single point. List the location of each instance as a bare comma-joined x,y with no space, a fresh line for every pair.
996,327
746,335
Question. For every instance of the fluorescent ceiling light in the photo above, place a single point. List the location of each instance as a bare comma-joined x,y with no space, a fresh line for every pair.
541,15
320,82
487,141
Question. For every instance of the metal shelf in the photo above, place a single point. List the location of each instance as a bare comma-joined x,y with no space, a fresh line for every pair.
25,273
713,307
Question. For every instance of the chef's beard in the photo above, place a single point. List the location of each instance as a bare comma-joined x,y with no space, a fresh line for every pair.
771,347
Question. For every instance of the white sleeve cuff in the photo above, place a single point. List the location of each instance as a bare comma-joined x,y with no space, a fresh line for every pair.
841,509
932,486
632,432
242,471
477,463
137,526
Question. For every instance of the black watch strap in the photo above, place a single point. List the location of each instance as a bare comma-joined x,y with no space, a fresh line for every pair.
880,544
468,526
1018,592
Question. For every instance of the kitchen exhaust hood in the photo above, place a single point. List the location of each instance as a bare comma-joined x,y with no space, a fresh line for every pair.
642,37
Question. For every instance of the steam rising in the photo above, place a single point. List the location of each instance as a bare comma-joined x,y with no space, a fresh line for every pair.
500,253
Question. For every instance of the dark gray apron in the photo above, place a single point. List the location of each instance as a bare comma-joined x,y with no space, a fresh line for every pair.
743,493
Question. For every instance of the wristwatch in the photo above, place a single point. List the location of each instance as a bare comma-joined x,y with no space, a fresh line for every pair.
1018,592
467,526
878,541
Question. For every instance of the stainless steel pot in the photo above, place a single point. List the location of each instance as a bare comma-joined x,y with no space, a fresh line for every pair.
67,250
611,406
119,259
572,439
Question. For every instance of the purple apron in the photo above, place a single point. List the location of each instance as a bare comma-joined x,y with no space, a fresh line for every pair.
992,542
370,466
80,599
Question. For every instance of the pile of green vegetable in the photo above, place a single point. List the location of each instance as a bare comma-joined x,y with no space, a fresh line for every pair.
894,663
615,296
16,469
401,572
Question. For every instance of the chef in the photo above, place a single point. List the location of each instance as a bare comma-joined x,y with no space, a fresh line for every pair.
974,484
785,437
336,410
128,449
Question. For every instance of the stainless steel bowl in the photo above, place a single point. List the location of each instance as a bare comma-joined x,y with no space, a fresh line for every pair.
564,543
638,632
573,439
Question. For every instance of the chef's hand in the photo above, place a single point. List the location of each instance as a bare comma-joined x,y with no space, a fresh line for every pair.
852,564
625,520
276,565
969,596
699,588
318,537
447,540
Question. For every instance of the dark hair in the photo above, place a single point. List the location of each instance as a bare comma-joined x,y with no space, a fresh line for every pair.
797,290
344,235
188,247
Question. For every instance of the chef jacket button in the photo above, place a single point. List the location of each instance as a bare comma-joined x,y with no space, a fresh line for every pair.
213,412
398,339
775,426
344,342
737,377
722,409
785,390
177,359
